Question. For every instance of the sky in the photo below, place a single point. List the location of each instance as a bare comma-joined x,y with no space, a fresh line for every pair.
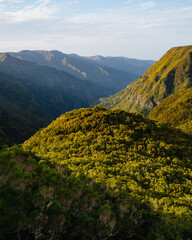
143,29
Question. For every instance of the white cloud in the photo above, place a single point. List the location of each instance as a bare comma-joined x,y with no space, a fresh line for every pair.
130,32
128,1
125,31
41,9
15,1
147,5
70,3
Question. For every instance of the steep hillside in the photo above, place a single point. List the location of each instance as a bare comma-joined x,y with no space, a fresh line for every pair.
175,110
20,113
144,169
109,78
172,73
56,91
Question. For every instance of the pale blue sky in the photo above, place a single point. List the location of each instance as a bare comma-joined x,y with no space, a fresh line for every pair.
132,28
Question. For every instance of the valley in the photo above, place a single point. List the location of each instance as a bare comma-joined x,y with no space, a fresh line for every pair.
72,169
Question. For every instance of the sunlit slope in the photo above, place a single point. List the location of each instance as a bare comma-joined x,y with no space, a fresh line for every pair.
175,110
129,155
172,73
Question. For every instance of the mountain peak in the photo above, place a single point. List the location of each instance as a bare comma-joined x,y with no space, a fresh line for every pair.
4,56
173,72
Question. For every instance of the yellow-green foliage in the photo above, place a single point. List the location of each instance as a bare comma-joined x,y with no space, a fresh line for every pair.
170,74
131,157
175,110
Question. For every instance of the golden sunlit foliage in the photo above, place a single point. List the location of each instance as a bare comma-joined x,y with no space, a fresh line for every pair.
130,157
176,110
169,75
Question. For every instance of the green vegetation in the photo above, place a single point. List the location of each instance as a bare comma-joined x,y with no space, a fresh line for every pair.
142,169
172,73
43,201
176,110
95,173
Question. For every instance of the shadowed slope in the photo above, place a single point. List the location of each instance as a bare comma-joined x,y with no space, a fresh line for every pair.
20,113
56,91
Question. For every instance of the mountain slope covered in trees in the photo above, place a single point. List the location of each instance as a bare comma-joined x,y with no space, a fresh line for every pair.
172,73
142,168
176,110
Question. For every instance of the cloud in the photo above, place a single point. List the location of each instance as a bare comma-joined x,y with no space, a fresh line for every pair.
70,3
15,1
126,31
129,31
147,5
41,9
128,1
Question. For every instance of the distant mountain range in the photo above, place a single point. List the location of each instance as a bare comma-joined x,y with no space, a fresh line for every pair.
172,73
33,95
112,74
38,86
56,90
129,65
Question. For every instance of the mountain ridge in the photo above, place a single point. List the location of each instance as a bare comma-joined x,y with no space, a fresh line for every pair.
32,96
173,72
126,64
103,75
64,89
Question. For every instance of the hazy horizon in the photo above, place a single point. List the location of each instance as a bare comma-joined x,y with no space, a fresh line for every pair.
134,29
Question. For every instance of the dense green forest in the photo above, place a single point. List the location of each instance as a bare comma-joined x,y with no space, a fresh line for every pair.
172,73
122,175
176,110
